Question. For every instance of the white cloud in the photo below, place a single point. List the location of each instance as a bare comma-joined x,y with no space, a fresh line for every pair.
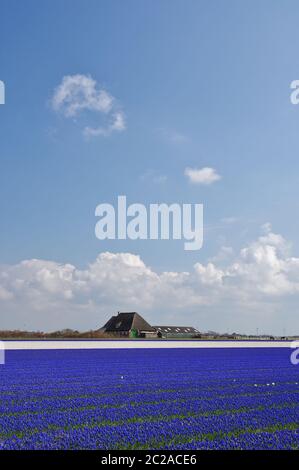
209,274
117,124
266,228
78,93
203,176
256,283
266,265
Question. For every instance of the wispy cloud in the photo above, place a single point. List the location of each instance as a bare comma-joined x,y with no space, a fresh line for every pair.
151,175
117,124
173,136
203,176
78,93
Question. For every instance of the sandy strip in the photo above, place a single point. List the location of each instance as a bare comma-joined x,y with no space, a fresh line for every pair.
140,344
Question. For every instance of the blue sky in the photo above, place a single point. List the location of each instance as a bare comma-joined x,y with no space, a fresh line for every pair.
201,84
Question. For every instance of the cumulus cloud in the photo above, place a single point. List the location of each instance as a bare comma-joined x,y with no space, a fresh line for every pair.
203,176
260,276
266,264
78,93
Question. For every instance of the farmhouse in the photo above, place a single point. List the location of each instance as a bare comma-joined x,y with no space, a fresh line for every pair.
131,324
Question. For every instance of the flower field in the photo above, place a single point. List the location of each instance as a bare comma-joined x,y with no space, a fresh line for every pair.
149,399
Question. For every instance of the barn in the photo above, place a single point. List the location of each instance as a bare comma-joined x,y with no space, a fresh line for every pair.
129,324
177,331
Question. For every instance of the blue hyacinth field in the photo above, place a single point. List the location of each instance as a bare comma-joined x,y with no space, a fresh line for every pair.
149,399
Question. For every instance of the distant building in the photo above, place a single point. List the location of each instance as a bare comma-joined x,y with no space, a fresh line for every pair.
177,331
129,324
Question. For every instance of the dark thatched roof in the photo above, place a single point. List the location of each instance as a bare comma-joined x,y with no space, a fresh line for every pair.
126,321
